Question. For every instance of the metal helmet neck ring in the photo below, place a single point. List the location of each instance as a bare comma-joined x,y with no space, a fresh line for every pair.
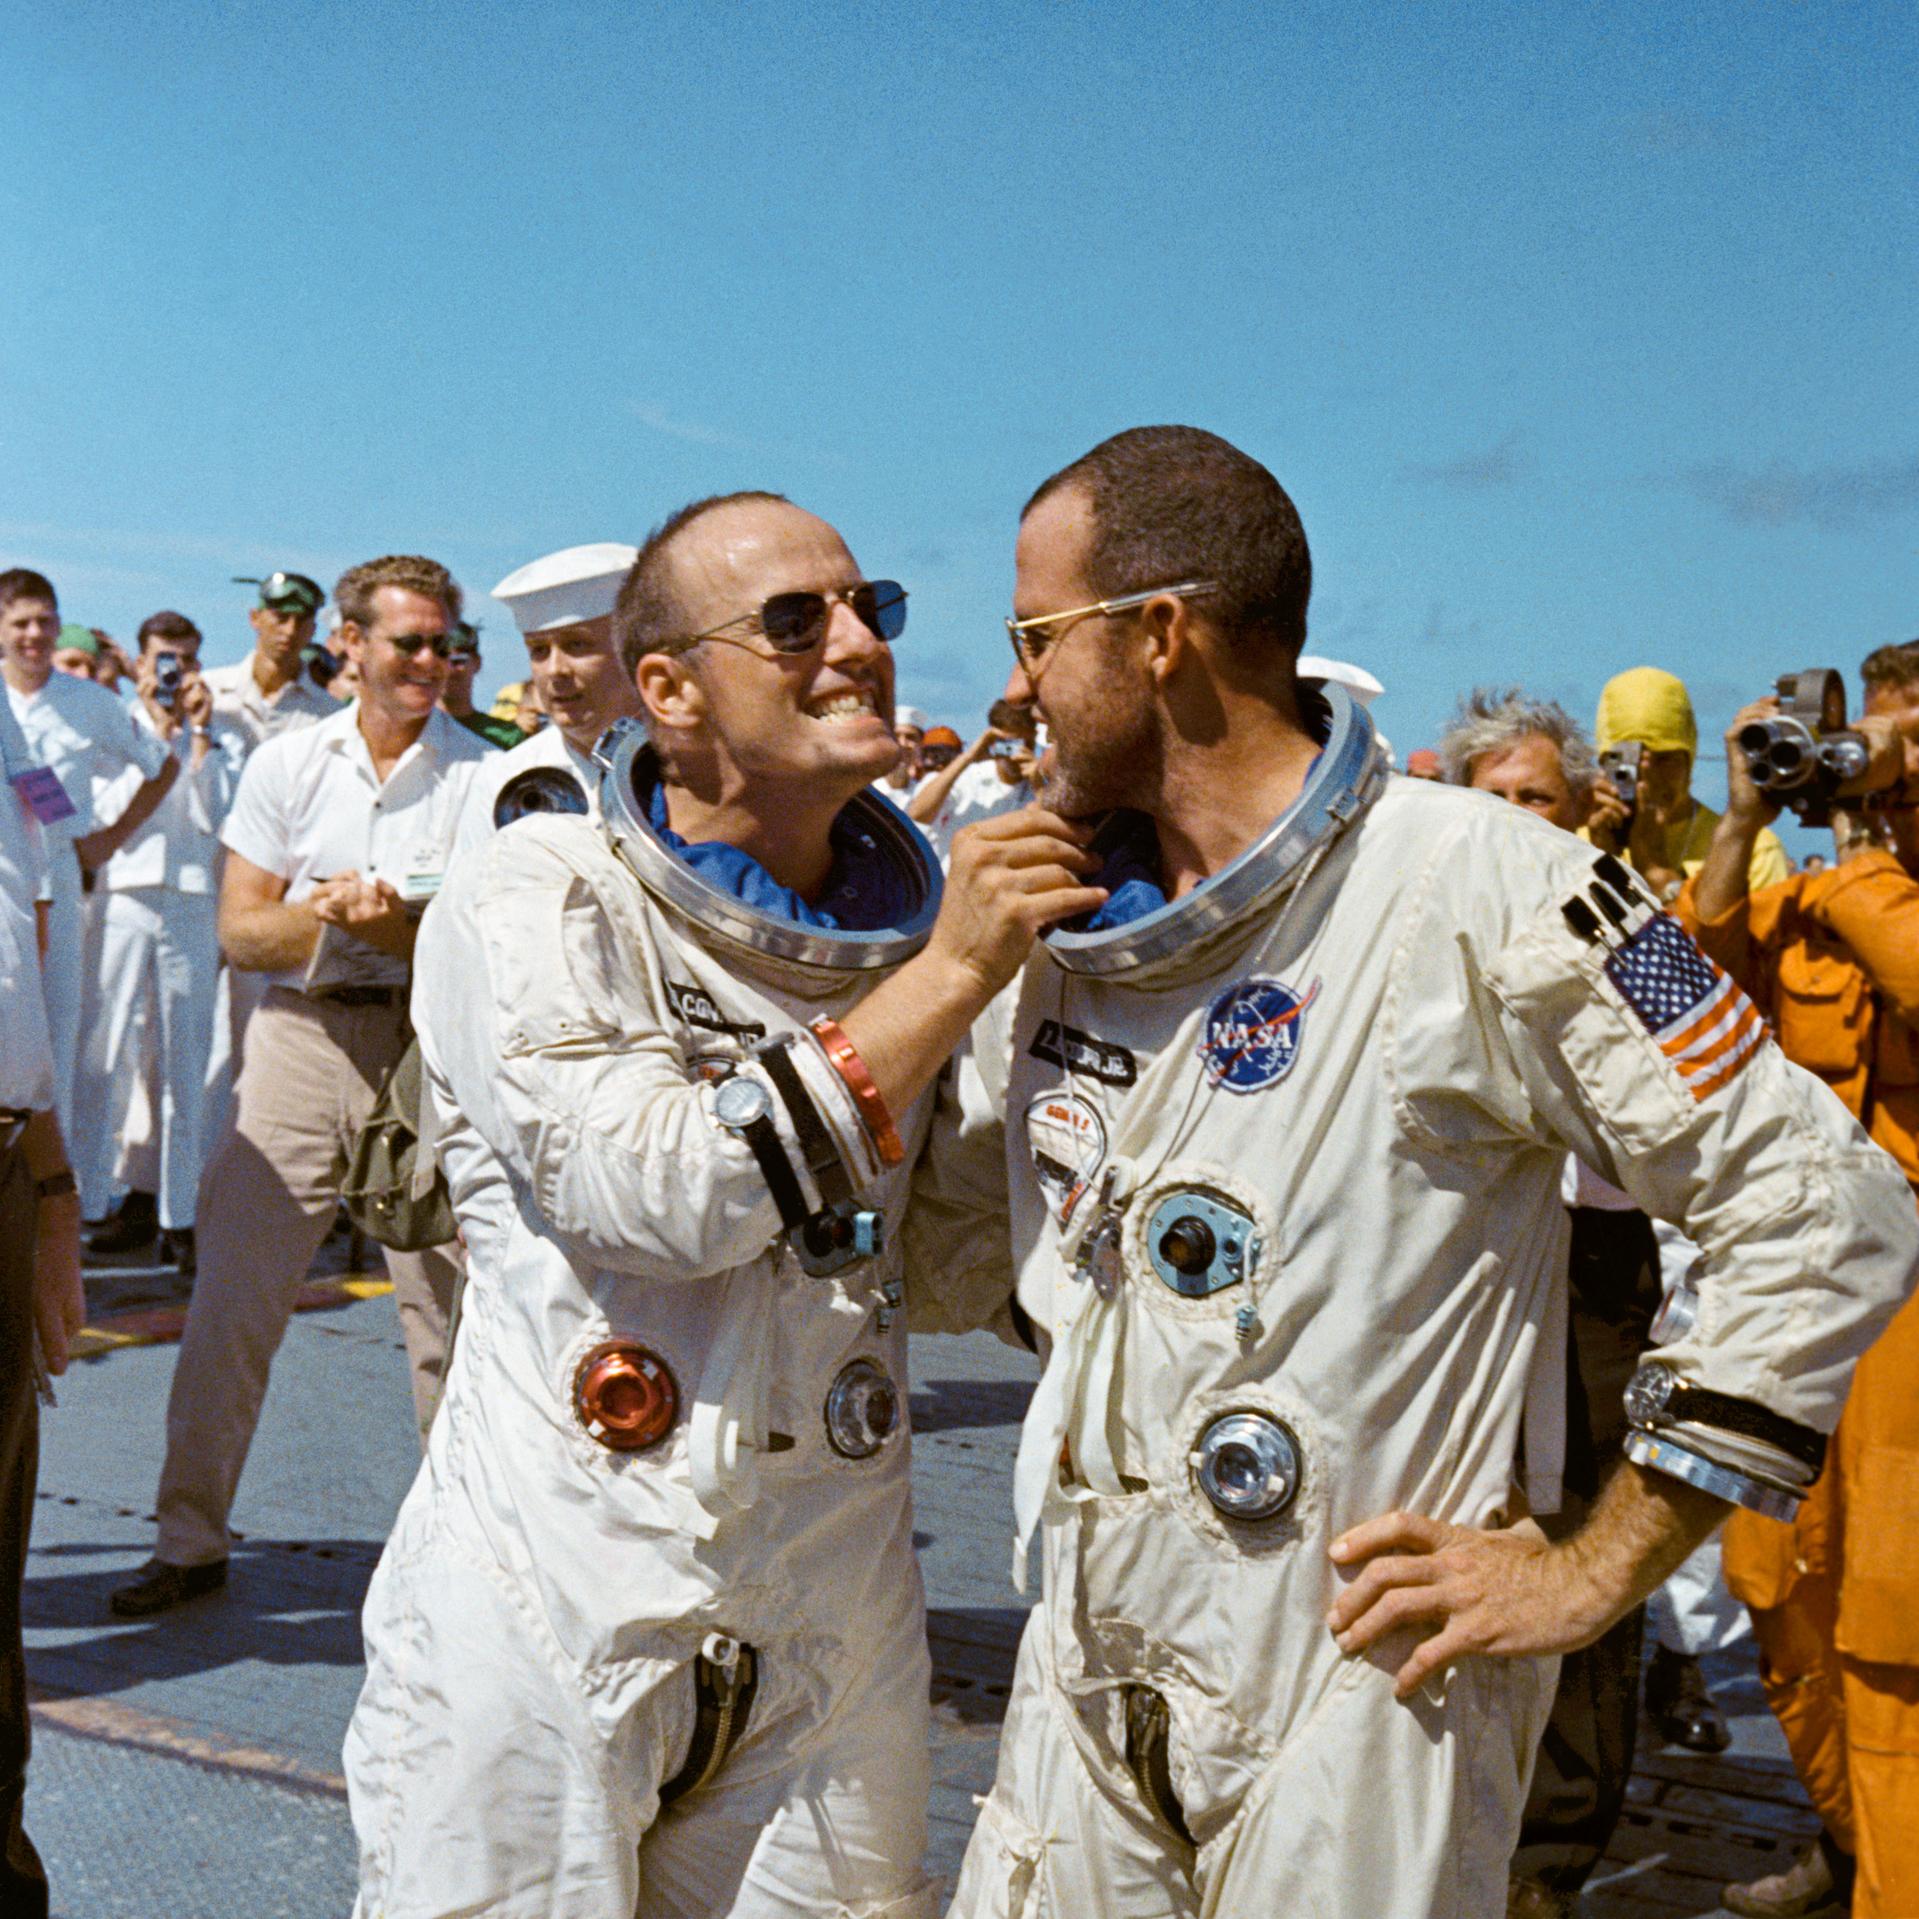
1348,776
630,770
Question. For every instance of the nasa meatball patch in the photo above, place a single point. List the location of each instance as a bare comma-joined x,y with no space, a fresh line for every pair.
1253,1034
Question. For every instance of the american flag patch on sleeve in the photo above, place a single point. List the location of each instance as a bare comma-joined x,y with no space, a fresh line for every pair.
1700,1020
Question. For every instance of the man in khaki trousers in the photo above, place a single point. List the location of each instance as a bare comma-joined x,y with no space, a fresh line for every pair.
338,833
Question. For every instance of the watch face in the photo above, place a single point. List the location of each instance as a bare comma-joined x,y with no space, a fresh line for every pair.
1647,1395
740,1101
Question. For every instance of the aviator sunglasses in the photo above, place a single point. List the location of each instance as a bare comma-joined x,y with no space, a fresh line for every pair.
796,622
443,645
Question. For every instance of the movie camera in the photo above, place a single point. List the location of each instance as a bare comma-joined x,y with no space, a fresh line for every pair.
1806,756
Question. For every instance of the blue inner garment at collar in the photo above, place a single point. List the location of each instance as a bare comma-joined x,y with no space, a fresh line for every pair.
1129,844
865,891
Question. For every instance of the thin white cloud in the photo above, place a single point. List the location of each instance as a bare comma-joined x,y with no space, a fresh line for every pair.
1504,463
1839,498
694,432
135,543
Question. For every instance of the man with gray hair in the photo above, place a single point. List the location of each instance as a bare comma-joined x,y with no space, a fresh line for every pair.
1532,752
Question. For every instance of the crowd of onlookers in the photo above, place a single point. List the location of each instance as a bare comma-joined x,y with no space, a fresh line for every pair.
156,989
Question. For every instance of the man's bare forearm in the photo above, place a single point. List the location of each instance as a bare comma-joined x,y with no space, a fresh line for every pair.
907,1028
924,807
1643,1526
271,938
1726,877
100,845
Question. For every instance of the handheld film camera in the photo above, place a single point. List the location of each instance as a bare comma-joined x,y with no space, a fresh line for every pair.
1806,756
1620,764
168,671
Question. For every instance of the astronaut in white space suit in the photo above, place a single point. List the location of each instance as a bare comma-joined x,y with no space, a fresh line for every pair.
1284,1125
648,1637
563,605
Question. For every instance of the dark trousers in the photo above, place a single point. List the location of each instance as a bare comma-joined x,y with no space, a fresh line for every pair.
23,1881
1585,1758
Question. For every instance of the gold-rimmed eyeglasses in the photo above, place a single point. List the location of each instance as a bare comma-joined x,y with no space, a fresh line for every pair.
1033,645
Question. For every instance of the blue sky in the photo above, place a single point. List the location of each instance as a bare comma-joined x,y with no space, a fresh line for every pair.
1582,336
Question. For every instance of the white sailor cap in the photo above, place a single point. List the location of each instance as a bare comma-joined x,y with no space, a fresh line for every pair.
1355,679
909,716
577,583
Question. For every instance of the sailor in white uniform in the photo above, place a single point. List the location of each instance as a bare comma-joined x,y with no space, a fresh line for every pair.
563,604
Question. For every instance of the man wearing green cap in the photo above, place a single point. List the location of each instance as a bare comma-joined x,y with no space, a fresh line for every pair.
269,691
76,651
1668,833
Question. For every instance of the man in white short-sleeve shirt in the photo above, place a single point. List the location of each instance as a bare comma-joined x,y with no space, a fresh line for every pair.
563,604
159,947
84,735
993,776
338,836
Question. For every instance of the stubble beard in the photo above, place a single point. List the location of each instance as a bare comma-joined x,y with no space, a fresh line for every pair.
1115,764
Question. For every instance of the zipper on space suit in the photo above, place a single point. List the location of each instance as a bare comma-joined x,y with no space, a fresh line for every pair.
1148,1730
725,1677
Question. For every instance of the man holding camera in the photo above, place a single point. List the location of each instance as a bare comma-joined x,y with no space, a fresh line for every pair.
994,775
1647,740
1832,959
338,835
159,944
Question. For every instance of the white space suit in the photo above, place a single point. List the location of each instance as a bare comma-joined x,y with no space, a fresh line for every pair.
159,963
1288,1156
538,1623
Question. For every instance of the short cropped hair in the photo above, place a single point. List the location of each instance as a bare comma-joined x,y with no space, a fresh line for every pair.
167,626
648,615
23,583
1891,666
353,595
1490,720
1173,503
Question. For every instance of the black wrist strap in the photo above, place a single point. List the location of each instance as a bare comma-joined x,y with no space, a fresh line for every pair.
817,1146
55,1185
763,1137
1701,1406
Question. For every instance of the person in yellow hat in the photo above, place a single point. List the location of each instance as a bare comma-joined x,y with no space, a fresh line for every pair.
1667,832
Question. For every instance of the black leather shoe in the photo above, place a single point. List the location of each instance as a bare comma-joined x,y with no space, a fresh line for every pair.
1680,1707
133,1229
158,1587
177,1250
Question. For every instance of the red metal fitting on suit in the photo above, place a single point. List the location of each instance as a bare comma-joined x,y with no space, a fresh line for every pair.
625,1396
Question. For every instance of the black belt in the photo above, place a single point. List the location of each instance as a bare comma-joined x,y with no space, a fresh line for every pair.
359,995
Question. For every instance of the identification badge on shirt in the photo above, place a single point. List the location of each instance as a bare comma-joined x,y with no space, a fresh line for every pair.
46,798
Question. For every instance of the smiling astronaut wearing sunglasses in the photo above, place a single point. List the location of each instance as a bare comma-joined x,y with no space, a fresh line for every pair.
1283,1126
649,1636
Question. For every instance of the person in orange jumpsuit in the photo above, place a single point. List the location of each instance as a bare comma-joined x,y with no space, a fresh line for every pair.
1832,957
